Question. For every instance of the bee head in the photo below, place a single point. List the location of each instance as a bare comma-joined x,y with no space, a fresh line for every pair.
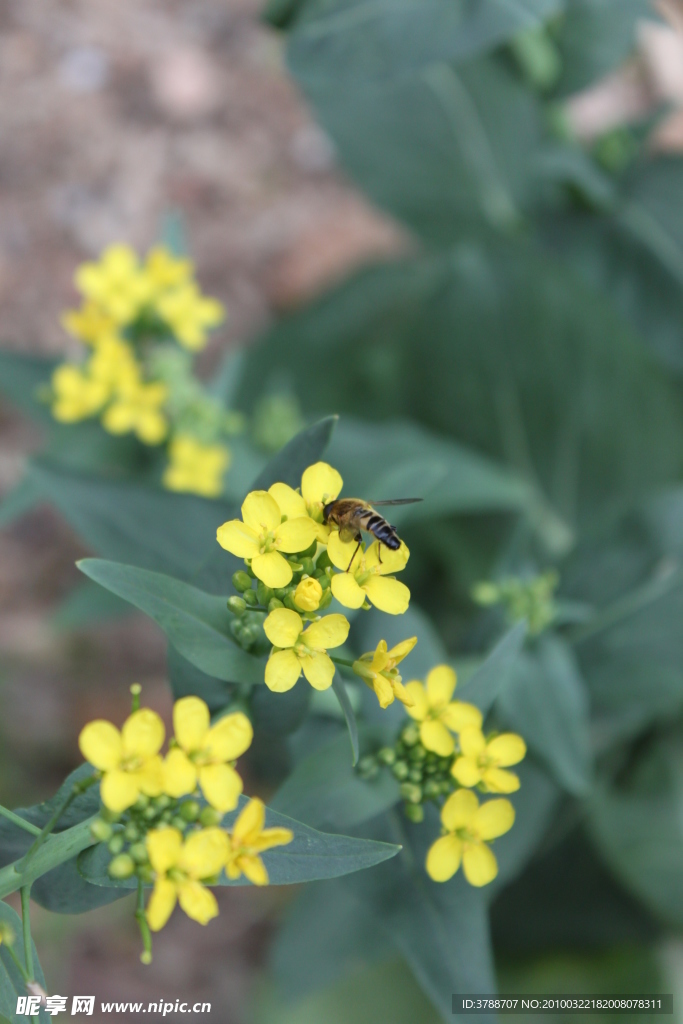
326,510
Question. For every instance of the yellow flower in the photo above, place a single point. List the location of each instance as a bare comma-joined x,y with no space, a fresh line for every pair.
129,760
437,714
90,323
117,283
164,270
368,575
468,826
76,395
202,752
297,649
308,594
378,670
190,314
113,363
262,536
179,868
249,838
320,484
194,467
137,408
484,763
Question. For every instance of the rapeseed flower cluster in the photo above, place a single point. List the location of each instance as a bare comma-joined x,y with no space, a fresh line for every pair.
440,757
296,563
141,321
161,814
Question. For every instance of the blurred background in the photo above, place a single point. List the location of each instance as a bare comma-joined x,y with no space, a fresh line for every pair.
114,116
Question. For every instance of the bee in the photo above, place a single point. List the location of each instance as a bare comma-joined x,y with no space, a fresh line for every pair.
352,515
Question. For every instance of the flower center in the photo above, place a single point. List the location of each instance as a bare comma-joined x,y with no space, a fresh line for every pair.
131,763
176,875
267,542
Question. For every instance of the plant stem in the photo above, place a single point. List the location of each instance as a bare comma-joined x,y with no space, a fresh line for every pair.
77,789
17,962
25,893
20,822
342,661
141,918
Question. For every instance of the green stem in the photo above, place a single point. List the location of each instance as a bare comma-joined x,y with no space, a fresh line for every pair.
25,893
20,822
77,789
141,918
61,847
342,661
17,963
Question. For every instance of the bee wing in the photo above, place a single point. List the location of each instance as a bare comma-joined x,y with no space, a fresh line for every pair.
397,501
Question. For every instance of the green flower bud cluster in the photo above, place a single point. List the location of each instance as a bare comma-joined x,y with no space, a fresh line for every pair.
422,775
124,834
256,598
530,599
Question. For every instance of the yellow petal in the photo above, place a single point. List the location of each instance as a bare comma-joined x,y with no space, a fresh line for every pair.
308,594
507,749
272,569
418,695
238,539
150,776
500,780
180,775
100,743
346,590
197,901
204,853
295,535
459,809
472,742
161,904
384,691
401,650
119,790
163,848
221,785
320,483
387,594
229,737
443,859
319,670
437,738
250,822
440,685
340,552
261,512
466,771
282,627
479,864
493,819
270,837
282,671
143,733
401,693
330,631
380,657
254,869
191,722
290,502
386,560
459,715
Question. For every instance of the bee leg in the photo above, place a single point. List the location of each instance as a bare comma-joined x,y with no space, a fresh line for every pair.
354,555
379,552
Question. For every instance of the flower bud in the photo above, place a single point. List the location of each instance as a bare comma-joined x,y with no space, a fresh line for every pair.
250,597
410,735
308,594
263,594
101,830
288,601
387,755
241,580
141,802
367,767
310,550
145,873
162,801
411,792
400,770
189,810
149,813
325,600
415,775
122,866
116,843
417,753
138,852
209,816
237,605
414,812
274,603
177,822
323,560
108,815
307,565
432,789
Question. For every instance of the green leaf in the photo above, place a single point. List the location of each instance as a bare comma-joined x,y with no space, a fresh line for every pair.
297,455
21,378
449,152
493,676
122,520
187,680
88,605
595,36
325,791
311,855
349,716
351,41
546,701
225,383
11,982
440,928
195,622
20,499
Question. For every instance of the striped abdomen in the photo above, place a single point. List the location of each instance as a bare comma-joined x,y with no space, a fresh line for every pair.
385,533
